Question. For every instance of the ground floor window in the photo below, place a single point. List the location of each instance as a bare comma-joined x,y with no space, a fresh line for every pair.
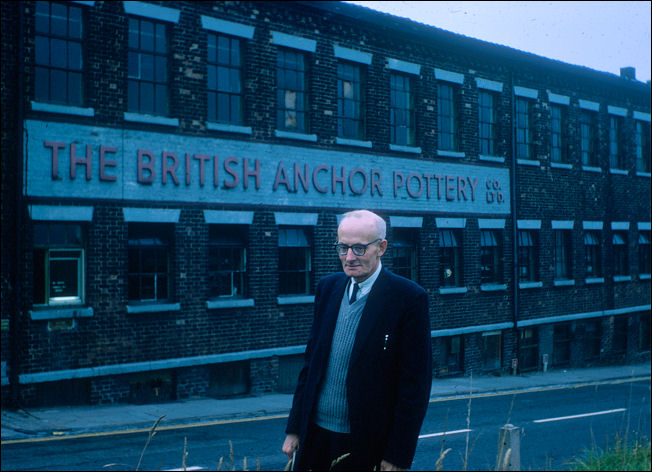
619,340
593,339
452,349
561,342
529,349
491,350
644,333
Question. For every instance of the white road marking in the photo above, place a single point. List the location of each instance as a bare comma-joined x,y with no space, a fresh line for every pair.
595,413
434,435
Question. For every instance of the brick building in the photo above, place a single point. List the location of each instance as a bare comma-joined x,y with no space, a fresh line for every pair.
173,172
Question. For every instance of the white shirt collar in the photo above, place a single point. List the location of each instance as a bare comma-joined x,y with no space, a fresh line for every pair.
365,287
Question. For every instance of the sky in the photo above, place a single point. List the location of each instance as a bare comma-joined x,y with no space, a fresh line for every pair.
604,36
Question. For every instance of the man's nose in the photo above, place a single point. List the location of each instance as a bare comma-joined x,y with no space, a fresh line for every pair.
350,255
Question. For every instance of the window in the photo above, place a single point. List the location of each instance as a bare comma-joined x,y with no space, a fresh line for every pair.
404,253
224,80
453,355
644,332
487,122
592,254
59,57
59,271
147,77
350,101
491,256
227,261
588,137
294,261
621,258
558,138
592,339
528,255
529,349
643,146
561,339
402,114
149,262
619,341
644,252
447,115
451,258
491,350
292,97
523,129
616,152
563,252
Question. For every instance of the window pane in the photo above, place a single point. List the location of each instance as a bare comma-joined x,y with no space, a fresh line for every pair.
161,44
75,22
146,97
42,17
58,86
42,50
64,278
146,35
74,56
41,81
59,53
74,89
59,19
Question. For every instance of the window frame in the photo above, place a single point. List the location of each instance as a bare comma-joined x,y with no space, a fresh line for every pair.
528,254
643,252
642,146
616,150
620,248
588,138
284,88
290,248
402,104
143,232
559,134
492,273
592,254
563,252
50,68
561,340
233,91
487,128
451,257
405,242
358,101
447,117
524,128
233,239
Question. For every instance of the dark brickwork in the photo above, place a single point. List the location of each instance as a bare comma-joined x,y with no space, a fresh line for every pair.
112,336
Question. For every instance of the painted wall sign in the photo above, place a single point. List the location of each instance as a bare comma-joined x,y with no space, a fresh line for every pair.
69,160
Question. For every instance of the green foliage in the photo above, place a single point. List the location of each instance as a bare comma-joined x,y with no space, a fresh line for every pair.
618,456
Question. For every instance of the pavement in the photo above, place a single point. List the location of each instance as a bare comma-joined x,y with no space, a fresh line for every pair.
41,423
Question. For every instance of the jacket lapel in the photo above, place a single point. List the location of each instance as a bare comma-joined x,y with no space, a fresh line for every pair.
331,312
373,310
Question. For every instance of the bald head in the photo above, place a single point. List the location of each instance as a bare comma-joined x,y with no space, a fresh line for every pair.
368,219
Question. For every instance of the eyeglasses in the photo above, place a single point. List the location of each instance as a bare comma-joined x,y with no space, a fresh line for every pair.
358,249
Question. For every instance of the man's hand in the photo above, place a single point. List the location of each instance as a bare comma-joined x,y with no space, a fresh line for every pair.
384,465
290,445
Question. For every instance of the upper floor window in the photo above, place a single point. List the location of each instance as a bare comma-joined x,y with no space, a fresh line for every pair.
401,112
616,152
593,261
642,146
147,76
291,89
491,256
523,128
644,252
227,261
450,244
447,117
588,138
563,252
149,261
528,256
621,257
487,122
59,268
59,68
350,101
404,253
558,138
294,261
224,79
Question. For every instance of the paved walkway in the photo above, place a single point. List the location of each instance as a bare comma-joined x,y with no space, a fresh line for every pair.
59,421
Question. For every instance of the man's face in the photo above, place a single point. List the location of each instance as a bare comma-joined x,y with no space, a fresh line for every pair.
360,231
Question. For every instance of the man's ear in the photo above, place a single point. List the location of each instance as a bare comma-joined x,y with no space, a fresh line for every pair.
382,247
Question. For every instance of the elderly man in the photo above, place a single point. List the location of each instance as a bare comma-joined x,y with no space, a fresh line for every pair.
364,388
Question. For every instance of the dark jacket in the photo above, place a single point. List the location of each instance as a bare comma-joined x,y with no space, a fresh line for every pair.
390,373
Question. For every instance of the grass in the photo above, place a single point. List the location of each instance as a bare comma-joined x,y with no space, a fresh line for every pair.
618,456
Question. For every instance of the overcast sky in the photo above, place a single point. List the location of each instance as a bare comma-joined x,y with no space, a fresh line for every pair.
604,36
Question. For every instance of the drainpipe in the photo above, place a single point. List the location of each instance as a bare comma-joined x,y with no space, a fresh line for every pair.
514,220
14,321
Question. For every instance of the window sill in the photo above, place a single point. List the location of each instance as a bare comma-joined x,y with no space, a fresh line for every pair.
493,287
597,170
63,109
485,157
229,303
295,299
564,282
296,136
619,171
153,307
561,165
51,313
528,162
227,128
451,290
643,276
353,142
622,278
527,285
643,174
400,148
594,280
150,119
444,153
